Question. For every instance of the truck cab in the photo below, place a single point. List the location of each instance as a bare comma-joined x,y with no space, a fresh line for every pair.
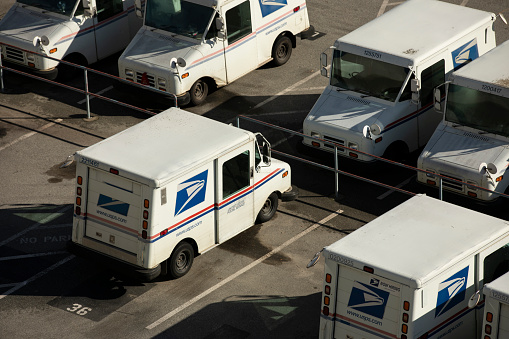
471,143
379,99
77,31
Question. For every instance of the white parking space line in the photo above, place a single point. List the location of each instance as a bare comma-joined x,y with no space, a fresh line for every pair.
245,269
398,186
464,3
34,255
28,229
23,137
100,93
37,276
288,89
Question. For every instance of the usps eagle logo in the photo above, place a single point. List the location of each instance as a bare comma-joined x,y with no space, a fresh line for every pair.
465,53
270,6
191,192
368,299
451,291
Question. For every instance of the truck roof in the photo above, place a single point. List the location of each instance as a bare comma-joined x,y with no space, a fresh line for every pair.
415,30
418,239
164,146
491,68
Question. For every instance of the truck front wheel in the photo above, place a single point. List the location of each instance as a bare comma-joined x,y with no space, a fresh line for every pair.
181,260
198,92
269,208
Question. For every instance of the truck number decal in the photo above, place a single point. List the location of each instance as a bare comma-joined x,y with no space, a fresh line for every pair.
341,260
491,89
372,54
89,162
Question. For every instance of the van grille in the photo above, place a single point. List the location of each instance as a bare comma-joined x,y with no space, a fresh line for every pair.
454,185
150,78
14,54
334,140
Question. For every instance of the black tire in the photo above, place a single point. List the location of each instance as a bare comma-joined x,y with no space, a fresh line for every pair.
181,260
282,50
68,72
199,92
269,208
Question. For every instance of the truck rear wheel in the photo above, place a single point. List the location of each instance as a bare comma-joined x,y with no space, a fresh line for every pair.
282,50
269,208
181,260
199,92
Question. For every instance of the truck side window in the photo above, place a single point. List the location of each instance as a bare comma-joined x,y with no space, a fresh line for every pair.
238,22
108,8
496,264
431,77
236,174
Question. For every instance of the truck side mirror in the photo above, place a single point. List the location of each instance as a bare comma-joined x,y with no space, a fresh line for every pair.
220,27
323,63
89,7
437,100
415,87
138,8
266,153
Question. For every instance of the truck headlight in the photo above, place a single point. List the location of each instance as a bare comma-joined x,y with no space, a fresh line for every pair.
471,187
353,145
316,135
161,82
430,174
30,57
129,73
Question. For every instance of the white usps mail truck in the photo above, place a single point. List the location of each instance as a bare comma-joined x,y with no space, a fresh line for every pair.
78,31
471,143
159,193
187,46
380,96
415,272
496,308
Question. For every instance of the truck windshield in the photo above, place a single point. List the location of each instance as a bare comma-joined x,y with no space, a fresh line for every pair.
178,16
480,110
57,6
368,76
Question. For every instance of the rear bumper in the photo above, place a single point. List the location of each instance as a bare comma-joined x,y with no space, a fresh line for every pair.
291,194
131,271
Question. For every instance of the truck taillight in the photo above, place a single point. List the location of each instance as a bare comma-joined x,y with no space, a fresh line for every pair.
144,234
487,329
489,317
145,214
114,171
405,318
144,224
328,278
79,180
326,298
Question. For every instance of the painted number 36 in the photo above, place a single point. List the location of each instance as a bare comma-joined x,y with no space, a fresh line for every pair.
79,309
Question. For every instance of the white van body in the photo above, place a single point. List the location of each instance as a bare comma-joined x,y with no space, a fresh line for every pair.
379,98
180,49
471,144
496,309
174,179
78,31
410,273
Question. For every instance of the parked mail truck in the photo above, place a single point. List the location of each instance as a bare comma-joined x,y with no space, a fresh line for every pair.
380,96
414,272
78,31
496,308
187,46
159,193
471,143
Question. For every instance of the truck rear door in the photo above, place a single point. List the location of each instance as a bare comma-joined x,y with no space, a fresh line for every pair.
113,210
367,305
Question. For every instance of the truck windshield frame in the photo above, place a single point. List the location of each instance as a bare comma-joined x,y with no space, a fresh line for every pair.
480,110
179,17
368,76
64,7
